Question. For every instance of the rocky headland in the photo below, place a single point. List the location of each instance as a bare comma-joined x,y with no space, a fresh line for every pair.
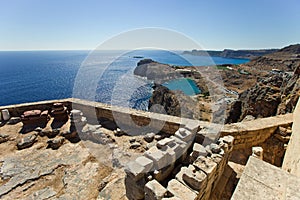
266,86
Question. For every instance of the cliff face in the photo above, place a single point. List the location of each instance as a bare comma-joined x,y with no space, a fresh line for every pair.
173,102
272,95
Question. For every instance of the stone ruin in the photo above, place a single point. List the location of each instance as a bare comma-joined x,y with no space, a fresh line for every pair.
59,112
167,171
187,164
33,117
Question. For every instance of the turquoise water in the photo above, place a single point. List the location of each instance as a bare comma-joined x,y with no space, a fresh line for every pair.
28,76
187,86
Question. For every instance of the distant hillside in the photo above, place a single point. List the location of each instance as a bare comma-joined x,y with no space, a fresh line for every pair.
286,59
275,93
229,53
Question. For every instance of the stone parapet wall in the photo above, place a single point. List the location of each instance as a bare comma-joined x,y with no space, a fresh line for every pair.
246,134
18,109
124,116
255,132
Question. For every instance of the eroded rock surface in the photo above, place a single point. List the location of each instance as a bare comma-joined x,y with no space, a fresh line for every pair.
31,166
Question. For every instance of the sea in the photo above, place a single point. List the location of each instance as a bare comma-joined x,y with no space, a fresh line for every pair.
103,76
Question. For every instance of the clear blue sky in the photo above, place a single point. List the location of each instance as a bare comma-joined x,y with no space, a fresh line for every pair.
215,24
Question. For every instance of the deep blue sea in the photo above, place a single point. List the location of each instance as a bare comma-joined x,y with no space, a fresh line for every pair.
28,76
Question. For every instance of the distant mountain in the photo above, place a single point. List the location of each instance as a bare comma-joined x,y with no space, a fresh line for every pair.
229,53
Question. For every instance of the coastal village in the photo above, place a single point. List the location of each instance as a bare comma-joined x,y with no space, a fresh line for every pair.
78,149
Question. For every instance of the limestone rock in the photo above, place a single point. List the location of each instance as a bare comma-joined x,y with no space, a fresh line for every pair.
198,150
56,142
149,137
44,193
3,138
27,141
180,191
215,148
274,94
135,145
154,190
118,132
69,135
14,120
196,179
206,164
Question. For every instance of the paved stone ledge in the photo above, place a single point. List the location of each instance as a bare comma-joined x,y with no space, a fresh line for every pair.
291,162
261,180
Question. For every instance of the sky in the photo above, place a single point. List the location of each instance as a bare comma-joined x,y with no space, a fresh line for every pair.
214,24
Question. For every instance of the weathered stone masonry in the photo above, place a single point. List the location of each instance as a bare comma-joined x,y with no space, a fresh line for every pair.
184,165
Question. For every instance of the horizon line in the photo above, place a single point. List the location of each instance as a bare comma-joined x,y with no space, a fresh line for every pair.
234,49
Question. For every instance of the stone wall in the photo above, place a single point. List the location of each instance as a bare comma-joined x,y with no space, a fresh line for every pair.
95,111
255,132
291,162
18,109
193,155
197,169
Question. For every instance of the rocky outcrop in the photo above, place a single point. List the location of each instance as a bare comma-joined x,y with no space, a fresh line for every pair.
172,102
166,98
275,94
261,100
155,71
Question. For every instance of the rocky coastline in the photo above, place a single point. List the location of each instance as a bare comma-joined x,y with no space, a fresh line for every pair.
266,86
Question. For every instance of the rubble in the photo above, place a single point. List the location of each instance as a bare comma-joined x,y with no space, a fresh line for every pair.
56,142
27,141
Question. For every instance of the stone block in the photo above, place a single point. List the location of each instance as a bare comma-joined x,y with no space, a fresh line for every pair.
179,147
180,174
257,152
228,140
135,170
195,179
217,158
207,165
145,162
163,144
180,191
149,137
134,188
171,155
162,174
160,159
154,190
185,135
199,150
192,125
215,148
190,176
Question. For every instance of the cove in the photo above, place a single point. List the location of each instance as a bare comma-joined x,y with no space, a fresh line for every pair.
187,86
